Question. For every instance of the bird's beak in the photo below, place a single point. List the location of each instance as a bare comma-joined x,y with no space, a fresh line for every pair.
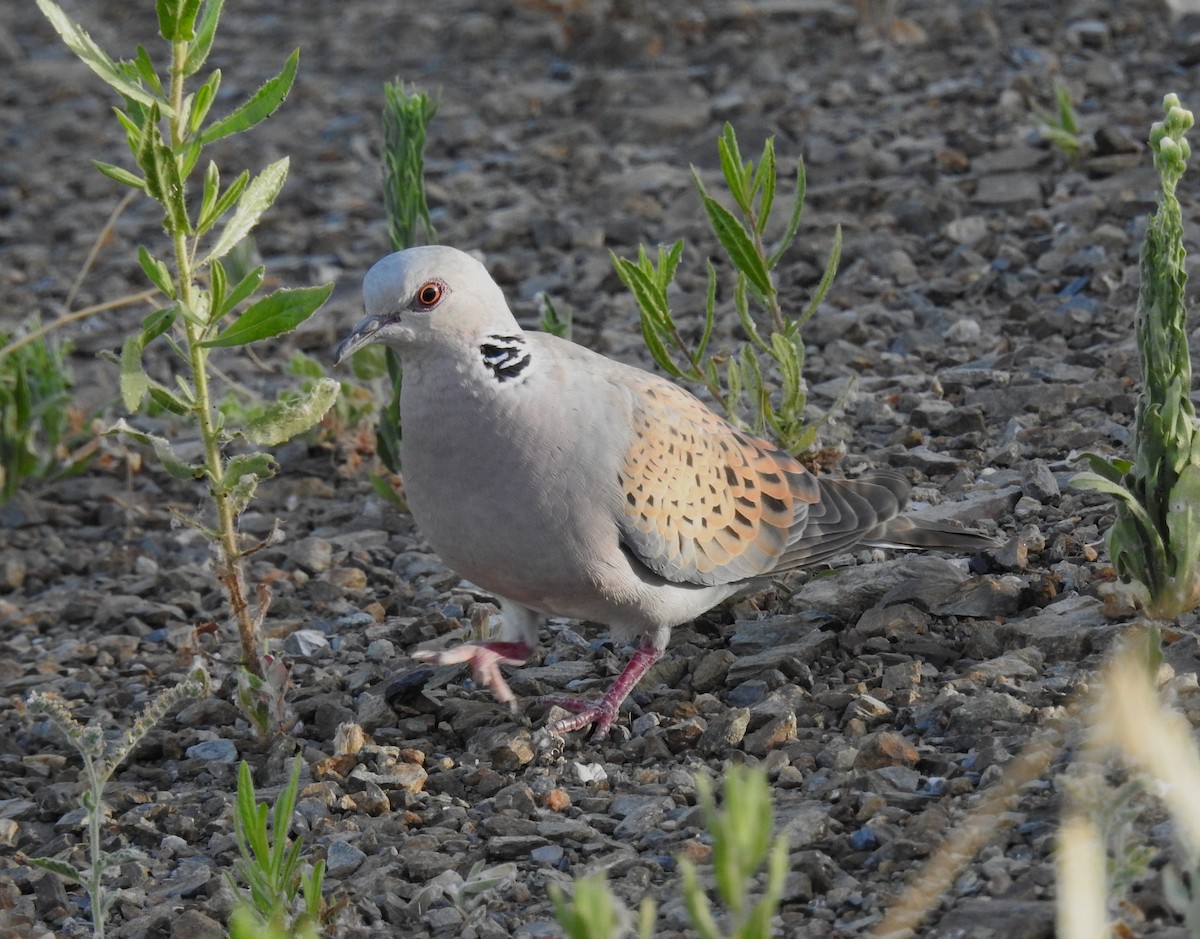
363,335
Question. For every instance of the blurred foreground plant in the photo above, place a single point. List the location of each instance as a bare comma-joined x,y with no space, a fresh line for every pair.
101,757
741,843
767,370
204,309
270,865
1155,540
1061,127
35,434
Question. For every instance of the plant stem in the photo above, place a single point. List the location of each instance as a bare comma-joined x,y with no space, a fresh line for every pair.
229,565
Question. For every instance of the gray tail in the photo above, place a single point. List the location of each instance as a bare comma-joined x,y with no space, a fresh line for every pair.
867,511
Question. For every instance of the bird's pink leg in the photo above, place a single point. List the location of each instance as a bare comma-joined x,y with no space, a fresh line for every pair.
602,713
485,659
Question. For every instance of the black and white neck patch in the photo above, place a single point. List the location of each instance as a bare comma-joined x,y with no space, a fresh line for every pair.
506,357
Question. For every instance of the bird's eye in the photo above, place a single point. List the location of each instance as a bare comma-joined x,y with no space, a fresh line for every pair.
429,294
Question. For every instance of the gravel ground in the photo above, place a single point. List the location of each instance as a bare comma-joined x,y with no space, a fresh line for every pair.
983,307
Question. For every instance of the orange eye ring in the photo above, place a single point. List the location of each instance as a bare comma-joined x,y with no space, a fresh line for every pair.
430,293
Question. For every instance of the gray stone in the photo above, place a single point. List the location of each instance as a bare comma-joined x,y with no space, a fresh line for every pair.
213,751
343,858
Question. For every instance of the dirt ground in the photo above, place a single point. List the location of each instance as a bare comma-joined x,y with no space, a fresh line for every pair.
983,308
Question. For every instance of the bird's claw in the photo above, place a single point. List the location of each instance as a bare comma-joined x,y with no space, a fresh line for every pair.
600,713
485,659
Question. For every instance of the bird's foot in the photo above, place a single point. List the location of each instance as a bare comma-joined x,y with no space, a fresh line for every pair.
485,659
602,713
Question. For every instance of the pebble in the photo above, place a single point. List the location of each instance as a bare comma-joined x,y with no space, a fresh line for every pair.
213,751
343,859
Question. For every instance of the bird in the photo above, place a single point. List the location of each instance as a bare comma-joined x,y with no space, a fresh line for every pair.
569,484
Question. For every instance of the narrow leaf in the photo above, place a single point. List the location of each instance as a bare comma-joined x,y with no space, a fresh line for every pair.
255,199
831,266
764,183
134,380
158,323
95,58
285,419
62,868
735,240
157,271
793,224
204,97
244,288
258,465
198,53
225,202
272,316
259,107
172,463
168,401
145,71
122,176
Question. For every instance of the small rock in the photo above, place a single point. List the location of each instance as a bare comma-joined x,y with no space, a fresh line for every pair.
343,858
724,731
193,924
213,751
775,733
885,748
306,643
313,555
1039,483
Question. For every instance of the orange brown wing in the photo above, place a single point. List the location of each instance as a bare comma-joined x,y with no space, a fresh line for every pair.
705,503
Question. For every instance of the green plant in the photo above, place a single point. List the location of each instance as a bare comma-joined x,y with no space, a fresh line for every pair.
767,370
1155,540
550,320
35,432
204,310
269,861
101,757
1061,127
741,843
406,117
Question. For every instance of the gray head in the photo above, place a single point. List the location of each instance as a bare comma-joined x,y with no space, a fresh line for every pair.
432,295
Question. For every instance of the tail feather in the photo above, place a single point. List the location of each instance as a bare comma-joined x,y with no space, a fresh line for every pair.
866,512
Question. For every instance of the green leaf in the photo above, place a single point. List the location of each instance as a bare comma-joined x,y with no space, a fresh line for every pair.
831,266
167,400
255,199
244,288
203,99
286,418
733,169
764,183
171,462
120,175
177,19
224,202
259,107
157,271
158,323
735,240
61,868
145,71
198,53
95,58
793,224
258,465
134,380
273,315
163,180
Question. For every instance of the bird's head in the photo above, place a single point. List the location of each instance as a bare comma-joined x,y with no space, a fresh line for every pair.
420,297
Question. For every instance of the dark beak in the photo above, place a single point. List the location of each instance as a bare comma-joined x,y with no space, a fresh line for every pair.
363,335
